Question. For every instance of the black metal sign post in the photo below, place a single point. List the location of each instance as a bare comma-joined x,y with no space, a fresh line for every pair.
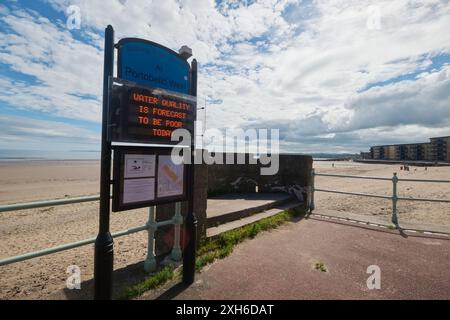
104,249
142,189
191,220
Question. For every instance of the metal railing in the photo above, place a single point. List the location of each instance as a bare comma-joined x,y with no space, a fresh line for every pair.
151,226
394,197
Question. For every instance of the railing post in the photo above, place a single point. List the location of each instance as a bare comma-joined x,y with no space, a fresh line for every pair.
311,192
150,261
394,199
178,221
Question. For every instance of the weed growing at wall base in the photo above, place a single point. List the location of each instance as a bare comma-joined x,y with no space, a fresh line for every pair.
152,282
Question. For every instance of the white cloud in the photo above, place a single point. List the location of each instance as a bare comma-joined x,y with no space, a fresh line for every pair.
64,69
425,101
26,130
301,66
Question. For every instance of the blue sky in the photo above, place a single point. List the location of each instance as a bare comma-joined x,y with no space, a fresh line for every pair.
332,76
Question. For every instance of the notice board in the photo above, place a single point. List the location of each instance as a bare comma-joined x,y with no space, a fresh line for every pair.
147,176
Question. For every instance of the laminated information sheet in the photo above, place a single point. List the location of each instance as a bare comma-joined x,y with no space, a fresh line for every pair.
170,177
139,165
138,190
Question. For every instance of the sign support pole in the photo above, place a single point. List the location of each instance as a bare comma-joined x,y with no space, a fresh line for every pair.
191,220
104,248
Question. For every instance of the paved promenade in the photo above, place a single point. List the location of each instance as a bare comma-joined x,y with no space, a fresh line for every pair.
280,264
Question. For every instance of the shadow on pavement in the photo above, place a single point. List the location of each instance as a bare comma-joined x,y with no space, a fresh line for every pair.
173,292
122,279
401,231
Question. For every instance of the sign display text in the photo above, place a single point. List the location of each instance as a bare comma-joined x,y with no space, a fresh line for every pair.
148,115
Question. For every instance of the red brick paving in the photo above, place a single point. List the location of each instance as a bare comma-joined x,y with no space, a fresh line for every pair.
280,265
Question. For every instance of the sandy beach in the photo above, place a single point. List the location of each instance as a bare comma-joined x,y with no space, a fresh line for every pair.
410,211
23,181
27,230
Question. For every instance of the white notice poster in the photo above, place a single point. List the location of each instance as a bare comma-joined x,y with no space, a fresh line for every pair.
138,190
170,177
139,165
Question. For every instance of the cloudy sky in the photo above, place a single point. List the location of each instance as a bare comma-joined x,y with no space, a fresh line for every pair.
331,75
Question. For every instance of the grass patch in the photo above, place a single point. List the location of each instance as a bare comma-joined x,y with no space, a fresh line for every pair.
222,245
215,248
321,267
159,278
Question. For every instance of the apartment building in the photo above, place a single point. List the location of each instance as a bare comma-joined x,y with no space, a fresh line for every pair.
438,149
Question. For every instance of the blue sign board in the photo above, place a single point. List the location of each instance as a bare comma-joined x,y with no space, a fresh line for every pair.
150,64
